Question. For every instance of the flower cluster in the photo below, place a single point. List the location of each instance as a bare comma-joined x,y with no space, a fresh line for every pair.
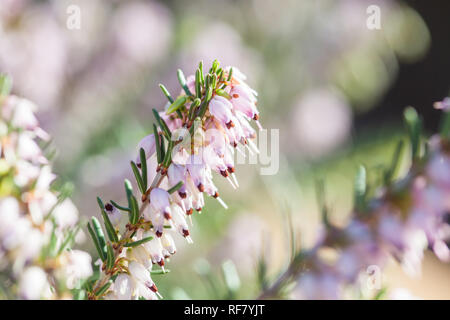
408,216
196,135
38,225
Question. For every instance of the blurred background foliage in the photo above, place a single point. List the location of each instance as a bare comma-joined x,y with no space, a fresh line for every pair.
334,89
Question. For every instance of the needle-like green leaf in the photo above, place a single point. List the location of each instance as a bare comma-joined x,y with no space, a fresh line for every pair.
360,188
99,233
193,107
5,85
96,242
112,235
137,176
111,258
158,144
143,167
162,124
182,80
137,243
131,205
103,289
177,104
166,92
119,206
175,187
414,126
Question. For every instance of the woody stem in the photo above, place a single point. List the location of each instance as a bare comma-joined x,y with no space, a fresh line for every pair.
128,232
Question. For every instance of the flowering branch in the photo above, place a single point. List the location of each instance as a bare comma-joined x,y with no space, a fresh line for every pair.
197,134
407,216
38,225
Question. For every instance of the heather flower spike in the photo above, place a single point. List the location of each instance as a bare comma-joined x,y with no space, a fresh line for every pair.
443,105
407,216
38,225
213,111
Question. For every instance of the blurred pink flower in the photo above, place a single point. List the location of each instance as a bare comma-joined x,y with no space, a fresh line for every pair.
320,123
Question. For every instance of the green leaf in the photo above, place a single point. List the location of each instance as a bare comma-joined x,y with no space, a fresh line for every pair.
231,276
220,74
168,156
215,66
128,188
111,258
132,203
445,126
194,105
320,195
166,92
198,85
163,149
103,289
223,93
215,80
79,294
175,187
119,206
202,77
177,104
262,272
360,188
88,285
395,164
160,271
100,203
209,93
112,235
99,233
143,167
380,294
134,210
204,105
230,74
137,243
208,80
68,240
414,127
65,191
182,80
53,241
158,144
96,242
162,124
5,84
137,176
196,124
